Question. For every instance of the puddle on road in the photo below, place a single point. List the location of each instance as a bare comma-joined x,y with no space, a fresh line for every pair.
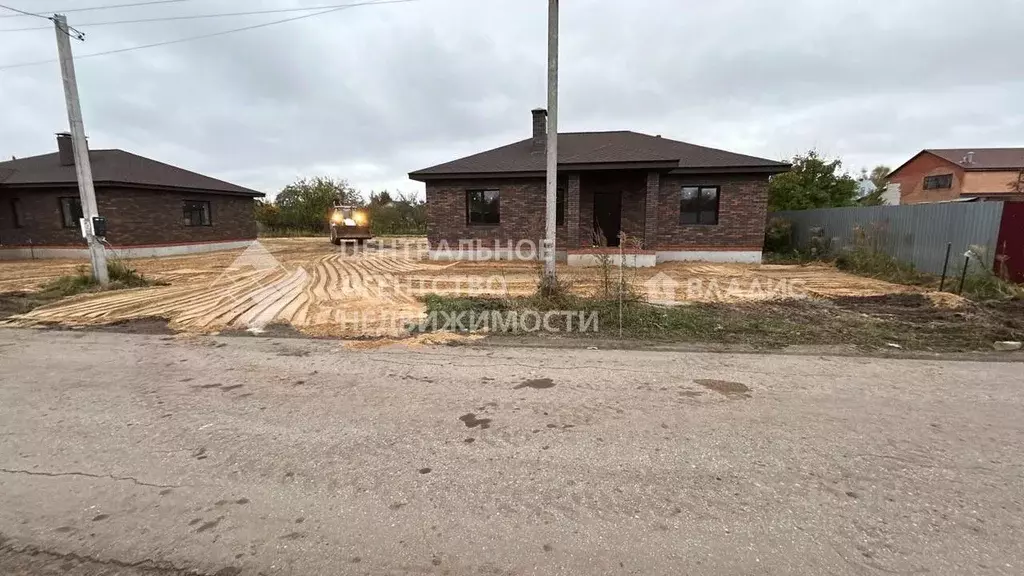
471,421
725,387
536,384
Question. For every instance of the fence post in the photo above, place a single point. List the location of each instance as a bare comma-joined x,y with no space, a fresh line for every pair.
945,266
963,275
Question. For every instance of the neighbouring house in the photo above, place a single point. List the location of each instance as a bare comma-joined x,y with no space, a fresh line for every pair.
949,174
670,200
152,208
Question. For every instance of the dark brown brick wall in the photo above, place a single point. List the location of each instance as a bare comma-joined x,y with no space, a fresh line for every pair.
522,212
134,217
742,210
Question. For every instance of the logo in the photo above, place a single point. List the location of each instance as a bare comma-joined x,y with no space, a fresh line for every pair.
661,289
256,287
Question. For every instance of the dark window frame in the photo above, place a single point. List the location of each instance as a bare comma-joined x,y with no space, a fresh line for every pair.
67,204
188,216
560,205
938,182
683,211
16,213
482,201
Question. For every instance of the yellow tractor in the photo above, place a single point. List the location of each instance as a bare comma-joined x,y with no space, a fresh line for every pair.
349,223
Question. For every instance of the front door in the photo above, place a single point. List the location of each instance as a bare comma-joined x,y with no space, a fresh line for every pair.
608,216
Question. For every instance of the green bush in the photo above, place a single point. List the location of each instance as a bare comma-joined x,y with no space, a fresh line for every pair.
778,236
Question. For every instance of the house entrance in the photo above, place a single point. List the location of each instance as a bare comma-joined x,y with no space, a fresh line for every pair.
608,216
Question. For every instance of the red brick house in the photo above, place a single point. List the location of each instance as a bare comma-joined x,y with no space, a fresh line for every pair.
671,200
152,208
943,175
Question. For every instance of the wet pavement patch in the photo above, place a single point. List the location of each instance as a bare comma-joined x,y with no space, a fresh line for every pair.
471,421
725,387
536,384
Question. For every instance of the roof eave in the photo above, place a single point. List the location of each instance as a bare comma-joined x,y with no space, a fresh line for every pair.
769,169
116,184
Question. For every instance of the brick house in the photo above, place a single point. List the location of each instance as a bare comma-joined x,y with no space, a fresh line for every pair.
670,200
152,208
943,175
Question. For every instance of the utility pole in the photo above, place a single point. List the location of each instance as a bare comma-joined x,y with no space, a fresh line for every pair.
82,166
552,166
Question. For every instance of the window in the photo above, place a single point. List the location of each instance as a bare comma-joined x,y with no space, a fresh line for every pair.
699,205
196,212
560,206
943,181
16,212
71,212
483,207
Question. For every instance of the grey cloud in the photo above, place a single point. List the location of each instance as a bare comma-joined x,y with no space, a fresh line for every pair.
374,92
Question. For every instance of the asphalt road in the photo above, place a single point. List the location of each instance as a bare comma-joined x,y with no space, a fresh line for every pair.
135,454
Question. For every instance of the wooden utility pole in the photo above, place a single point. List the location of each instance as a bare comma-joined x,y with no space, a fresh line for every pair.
552,159
82,166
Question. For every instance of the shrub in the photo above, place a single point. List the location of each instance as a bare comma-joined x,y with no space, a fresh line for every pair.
778,236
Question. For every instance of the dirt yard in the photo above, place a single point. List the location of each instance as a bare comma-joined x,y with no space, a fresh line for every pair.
319,289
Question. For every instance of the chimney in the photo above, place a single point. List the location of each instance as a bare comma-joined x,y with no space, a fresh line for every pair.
65,149
970,157
540,129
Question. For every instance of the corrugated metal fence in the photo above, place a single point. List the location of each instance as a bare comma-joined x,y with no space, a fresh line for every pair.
915,233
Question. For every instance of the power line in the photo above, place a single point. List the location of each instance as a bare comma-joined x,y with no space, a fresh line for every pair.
22,13
188,17
202,36
69,30
42,13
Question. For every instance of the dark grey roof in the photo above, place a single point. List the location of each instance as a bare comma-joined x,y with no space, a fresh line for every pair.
113,167
579,148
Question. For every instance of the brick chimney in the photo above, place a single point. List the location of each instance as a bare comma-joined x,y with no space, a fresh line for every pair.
540,129
65,149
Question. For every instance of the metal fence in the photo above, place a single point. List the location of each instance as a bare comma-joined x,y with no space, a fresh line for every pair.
915,233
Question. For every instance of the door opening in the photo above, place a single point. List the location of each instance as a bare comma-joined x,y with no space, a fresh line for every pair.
608,216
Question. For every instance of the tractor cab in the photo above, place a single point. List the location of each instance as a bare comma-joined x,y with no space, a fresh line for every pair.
349,223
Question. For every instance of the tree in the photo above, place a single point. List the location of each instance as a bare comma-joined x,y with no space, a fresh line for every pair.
398,214
879,176
268,214
382,198
306,204
813,182
878,180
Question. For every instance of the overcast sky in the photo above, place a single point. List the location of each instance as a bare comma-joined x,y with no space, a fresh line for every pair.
371,93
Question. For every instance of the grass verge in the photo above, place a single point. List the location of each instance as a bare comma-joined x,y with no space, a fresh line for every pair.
910,321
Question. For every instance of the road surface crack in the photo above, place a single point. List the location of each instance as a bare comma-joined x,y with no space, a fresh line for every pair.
144,566
89,475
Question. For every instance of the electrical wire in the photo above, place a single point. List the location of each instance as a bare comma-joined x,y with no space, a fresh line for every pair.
187,17
42,12
69,30
22,13
202,36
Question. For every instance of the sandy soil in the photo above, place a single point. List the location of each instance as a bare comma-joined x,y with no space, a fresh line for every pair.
320,289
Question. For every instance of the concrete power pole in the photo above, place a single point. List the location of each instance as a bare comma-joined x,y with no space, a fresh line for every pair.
552,159
82,166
